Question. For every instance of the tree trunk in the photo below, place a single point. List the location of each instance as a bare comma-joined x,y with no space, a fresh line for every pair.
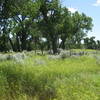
18,43
63,43
23,41
12,45
54,45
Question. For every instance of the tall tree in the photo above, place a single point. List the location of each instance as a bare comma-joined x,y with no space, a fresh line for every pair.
51,13
81,25
21,15
66,26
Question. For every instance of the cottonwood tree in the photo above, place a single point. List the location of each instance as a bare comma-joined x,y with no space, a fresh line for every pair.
23,23
66,27
51,13
20,16
90,43
81,25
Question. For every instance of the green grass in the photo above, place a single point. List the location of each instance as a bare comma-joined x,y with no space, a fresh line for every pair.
76,78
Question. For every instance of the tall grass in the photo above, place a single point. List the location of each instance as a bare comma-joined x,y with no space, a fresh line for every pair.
75,78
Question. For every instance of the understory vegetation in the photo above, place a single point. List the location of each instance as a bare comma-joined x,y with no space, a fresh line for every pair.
50,77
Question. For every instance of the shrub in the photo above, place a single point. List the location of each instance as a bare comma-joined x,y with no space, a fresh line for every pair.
53,57
65,54
17,58
3,57
97,59
39,62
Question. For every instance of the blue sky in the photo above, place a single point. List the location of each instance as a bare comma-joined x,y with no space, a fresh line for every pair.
90,8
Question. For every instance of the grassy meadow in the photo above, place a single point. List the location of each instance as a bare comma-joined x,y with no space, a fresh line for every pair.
49,77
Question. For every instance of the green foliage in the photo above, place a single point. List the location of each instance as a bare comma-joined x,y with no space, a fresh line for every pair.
91,43
75,78
23,23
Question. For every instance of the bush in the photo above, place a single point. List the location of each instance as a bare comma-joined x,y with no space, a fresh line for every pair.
39,62
3,57
18,57
97,59
65,54
53,57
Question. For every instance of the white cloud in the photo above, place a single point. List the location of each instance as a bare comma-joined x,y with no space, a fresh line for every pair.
97,3
73,10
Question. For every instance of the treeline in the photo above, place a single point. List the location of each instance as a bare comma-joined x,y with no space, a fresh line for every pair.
42,24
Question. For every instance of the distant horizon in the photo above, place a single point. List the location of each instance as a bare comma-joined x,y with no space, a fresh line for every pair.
90,8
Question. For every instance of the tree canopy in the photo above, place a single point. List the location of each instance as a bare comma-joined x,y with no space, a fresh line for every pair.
24,24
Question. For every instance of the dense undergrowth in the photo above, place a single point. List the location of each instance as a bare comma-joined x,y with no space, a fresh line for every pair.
44,78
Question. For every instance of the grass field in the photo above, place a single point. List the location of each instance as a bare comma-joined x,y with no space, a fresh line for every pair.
44,78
